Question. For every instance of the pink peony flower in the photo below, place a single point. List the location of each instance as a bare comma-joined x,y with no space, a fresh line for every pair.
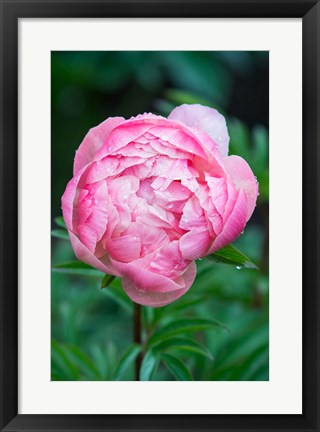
150,195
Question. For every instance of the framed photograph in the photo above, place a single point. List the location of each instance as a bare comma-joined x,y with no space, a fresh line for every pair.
159,215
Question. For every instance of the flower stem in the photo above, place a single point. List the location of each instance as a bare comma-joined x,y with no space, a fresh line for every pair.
137,309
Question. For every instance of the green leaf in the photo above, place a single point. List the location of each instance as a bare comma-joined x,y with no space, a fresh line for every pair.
78,268
195,72
148,366
260,148
262,374
62,368
179,97
179,306
60,233
100,360
60,222
183,344
117,294
249,335
251,364
177,368
231,255
126,360
83,362
182,326
105,359
239,139
148,314
70,363
106,281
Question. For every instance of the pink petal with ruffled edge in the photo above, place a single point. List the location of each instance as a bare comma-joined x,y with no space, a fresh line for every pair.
146,280
92,210
125,249
168,261
234,225
93,141
243,178
207,119
121,188
178,135
158,299
193,215
121,136
151,237
195,244
88,237
68,198
83,254
218,191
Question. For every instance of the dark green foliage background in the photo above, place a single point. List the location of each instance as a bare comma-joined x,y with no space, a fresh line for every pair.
92,328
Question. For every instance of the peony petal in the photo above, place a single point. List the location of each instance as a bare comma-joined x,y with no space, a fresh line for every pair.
175,169
88,236
102,169
180,137
193,215
125,218
154,215
68,198
231,200
146,191
93,141
111,166
234,225
146,280
207,119
113,220
121,188
195,244
141,171
92,209
158,299
121,136
134,149
151,237
218,191
125,249
174,197
165,148
84,254
147,116
243,178
169,261
67,201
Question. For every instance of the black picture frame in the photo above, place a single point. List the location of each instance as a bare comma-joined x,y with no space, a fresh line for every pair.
11,11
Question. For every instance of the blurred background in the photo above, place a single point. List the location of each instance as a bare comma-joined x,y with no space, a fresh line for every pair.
91,328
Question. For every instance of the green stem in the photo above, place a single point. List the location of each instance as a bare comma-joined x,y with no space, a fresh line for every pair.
137,309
